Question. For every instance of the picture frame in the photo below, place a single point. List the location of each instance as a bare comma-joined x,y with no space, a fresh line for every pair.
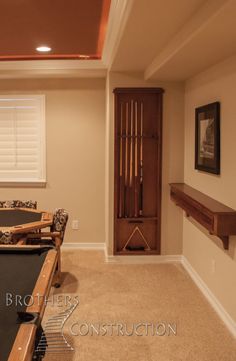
207,138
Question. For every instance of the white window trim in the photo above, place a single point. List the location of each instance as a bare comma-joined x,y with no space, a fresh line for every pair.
41,182
23,184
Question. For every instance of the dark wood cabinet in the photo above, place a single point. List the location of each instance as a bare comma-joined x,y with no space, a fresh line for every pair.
217,218
138,152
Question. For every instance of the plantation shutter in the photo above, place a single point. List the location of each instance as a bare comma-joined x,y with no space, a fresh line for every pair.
22,138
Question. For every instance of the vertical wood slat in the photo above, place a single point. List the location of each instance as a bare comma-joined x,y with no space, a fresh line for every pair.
136,192
130,150
121,164
131,160
141,162
126,193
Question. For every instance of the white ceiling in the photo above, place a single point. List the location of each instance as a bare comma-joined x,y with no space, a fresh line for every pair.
151,25
176,39
207,39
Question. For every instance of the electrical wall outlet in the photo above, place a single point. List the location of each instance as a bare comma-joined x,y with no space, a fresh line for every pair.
75,224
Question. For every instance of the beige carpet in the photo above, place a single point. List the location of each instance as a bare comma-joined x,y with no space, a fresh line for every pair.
132,294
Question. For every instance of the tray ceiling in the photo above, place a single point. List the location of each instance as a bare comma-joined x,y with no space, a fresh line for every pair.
73,29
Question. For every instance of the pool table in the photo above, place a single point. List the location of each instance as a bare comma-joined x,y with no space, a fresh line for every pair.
19,221
26,272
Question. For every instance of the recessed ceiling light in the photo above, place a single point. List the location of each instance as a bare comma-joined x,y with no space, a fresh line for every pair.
43,49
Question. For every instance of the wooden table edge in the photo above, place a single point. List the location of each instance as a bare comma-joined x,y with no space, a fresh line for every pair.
46,221
23,346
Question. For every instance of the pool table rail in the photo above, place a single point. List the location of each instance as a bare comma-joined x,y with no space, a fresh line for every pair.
23,347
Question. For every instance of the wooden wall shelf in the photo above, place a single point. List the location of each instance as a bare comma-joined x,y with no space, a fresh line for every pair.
217,218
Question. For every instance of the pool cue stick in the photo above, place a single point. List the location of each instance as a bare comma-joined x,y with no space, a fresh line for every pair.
141,165
136,162
121,163
126,157
131,160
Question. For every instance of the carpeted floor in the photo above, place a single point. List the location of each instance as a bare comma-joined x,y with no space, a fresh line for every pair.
161,294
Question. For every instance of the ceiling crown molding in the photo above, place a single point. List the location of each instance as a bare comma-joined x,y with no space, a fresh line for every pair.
52,68
119,14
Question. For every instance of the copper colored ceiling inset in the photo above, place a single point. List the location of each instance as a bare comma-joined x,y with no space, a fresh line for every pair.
74,29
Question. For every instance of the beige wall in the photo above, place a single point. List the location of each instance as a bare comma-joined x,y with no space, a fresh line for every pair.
75,126
173,150
216,84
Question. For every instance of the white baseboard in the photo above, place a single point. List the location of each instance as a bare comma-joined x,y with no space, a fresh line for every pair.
214,302
85,246
151,259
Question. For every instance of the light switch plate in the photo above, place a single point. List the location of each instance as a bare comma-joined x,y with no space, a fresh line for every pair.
75,224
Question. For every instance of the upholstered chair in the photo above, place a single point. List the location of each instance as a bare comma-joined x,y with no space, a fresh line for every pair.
54,238
60,219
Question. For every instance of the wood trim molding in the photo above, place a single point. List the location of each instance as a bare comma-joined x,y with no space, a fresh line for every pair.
138,90
48,57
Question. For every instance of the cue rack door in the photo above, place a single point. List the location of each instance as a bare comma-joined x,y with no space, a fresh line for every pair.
138,148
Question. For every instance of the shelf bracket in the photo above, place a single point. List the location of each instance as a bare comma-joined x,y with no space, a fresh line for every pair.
225,240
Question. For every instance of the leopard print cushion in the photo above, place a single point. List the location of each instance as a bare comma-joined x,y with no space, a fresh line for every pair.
60,219
6,238
18,204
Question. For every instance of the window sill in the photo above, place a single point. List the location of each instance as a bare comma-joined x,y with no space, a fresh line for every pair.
23,184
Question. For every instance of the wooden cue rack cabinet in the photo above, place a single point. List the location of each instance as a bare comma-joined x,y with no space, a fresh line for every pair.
138,153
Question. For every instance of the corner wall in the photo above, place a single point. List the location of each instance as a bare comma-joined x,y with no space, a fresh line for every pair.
172,158
201,249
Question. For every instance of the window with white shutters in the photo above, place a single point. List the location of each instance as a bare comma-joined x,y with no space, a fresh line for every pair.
22,138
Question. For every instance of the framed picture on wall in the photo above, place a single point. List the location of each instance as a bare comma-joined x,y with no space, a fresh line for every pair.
207,138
